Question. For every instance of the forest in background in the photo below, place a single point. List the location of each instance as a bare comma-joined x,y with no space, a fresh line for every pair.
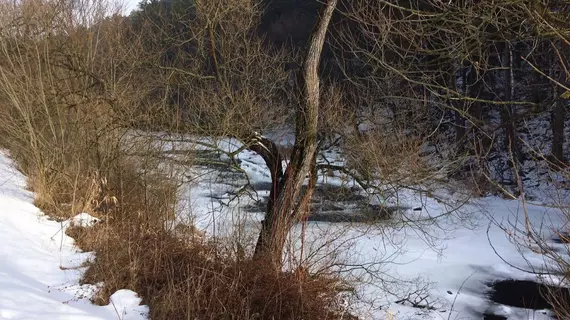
468,79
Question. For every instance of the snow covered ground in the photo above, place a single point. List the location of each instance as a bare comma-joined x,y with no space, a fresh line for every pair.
445,267
39,266
456,272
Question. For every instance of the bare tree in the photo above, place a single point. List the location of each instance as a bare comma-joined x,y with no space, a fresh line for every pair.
286,204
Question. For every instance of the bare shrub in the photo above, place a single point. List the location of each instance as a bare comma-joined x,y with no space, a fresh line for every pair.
59,121
72,88
390,156
178,278
206,79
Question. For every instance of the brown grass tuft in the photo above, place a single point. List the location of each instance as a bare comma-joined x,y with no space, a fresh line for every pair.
181,280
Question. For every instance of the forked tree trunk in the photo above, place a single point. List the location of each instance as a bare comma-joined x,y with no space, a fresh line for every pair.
287,203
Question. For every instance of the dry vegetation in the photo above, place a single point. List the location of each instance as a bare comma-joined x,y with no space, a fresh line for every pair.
75,81
71,89
178,278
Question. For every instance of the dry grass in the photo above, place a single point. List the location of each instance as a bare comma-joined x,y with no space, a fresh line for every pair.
66,128
183,276
181,279
393,157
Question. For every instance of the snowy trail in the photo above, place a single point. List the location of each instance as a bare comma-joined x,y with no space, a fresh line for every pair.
39,266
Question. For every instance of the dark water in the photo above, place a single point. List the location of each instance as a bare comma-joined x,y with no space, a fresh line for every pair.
525,294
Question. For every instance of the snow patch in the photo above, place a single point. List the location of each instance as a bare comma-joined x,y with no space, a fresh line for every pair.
84,220
127,305
40,267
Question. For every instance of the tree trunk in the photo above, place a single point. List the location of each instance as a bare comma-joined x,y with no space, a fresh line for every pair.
559,112
558,115
475,89
507,111
288,203
458,106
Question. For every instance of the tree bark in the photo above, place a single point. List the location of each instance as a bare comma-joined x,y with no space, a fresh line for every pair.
507,112
460,123
289,203
474,90
559,114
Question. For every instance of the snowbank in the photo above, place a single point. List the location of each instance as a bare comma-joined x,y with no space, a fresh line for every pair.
40,268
